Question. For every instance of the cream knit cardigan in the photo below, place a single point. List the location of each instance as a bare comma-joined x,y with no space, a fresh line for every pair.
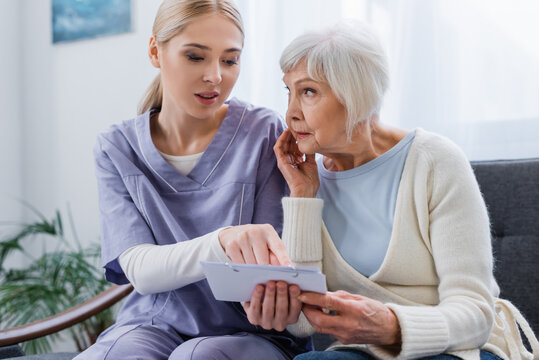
437,274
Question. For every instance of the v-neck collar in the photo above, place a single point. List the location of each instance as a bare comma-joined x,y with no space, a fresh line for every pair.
208,163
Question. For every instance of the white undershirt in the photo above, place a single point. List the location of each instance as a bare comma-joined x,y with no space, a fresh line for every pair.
185,163
154,268
157,268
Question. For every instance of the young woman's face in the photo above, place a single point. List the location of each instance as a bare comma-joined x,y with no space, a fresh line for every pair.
200,65
315,116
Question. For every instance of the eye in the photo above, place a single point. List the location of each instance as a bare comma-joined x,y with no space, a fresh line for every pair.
287,90
193,57
231,62
309,91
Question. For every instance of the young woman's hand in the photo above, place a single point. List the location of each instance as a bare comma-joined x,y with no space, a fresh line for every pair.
355,319
254,244
274,306
301,175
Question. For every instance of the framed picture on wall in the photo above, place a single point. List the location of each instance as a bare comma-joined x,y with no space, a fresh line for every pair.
83,19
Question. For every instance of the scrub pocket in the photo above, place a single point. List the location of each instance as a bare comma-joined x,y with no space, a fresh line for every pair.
192,213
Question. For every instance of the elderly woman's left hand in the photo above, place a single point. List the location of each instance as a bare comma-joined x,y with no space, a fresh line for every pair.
356,319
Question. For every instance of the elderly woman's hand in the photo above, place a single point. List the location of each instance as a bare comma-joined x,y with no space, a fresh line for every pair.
274,306
356,319
301,175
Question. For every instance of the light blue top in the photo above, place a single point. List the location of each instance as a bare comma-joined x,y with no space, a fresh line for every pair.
359,206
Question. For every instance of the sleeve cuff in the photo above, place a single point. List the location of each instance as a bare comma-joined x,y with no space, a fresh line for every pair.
424,332
302,328
302,228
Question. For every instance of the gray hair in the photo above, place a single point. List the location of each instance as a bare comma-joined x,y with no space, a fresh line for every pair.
350,59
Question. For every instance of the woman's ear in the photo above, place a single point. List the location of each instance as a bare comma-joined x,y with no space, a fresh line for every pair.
153,52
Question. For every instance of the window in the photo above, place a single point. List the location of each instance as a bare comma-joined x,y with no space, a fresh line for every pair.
467,69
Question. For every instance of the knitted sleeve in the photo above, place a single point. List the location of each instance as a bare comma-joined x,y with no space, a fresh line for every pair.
460,244
302,236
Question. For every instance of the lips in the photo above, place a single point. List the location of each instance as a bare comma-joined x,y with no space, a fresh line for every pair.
207,94
207,97
302,135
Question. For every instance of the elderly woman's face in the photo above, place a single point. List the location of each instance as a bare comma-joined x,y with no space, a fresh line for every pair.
315,117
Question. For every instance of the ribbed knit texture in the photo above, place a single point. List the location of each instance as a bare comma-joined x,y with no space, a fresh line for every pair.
423,331
306,217
303,221
437,273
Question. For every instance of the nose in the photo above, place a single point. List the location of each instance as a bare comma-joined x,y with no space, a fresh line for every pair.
294,110
212,73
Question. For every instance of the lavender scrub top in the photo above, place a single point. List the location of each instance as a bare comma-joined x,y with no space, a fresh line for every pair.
144,200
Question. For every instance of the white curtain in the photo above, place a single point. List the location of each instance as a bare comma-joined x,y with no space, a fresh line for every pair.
467,69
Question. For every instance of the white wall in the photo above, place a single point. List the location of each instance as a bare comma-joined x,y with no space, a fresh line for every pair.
11,175
71,92
10,119
55,100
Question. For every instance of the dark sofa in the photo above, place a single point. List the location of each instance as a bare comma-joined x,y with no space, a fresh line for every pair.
511,191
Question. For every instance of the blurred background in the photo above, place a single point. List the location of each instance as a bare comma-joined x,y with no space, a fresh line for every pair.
467,69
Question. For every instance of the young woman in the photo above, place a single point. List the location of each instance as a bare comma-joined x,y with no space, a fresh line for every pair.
182,183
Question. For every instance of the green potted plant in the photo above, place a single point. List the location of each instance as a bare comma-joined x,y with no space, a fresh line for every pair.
63,275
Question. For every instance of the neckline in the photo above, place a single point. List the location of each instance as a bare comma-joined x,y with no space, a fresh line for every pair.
181,157
396,224
368,166
200,174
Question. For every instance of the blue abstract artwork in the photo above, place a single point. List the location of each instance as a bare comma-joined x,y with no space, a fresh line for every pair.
82,19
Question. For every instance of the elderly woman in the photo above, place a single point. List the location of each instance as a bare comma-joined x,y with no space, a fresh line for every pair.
395,218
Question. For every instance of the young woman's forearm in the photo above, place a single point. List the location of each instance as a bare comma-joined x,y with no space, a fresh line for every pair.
158,268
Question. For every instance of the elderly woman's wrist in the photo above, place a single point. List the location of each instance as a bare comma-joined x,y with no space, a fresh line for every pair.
302,194
395,332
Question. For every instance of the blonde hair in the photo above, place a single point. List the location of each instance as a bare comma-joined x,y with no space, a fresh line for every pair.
170,20
350,59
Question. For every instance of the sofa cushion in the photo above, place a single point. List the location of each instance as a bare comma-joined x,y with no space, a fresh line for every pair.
10,351
511,192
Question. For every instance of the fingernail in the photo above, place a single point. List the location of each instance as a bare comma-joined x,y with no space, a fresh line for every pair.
290,161
301,298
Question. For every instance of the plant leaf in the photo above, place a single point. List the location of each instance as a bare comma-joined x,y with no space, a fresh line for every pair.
51,283
7,247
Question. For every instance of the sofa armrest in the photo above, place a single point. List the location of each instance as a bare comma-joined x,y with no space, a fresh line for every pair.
65,319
